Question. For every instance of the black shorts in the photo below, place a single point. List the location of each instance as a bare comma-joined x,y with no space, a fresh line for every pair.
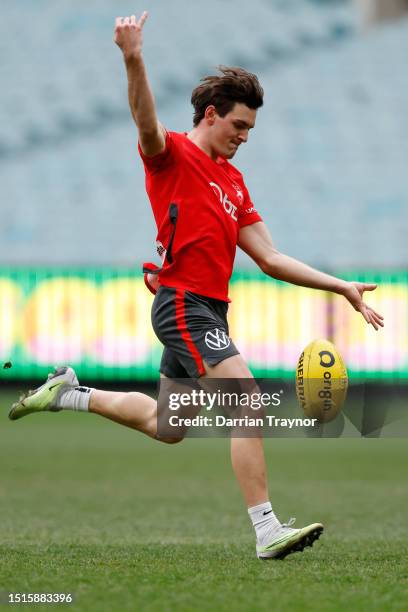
193,329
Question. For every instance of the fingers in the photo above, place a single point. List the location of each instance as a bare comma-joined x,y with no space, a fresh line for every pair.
377,318
142,19
377,314
372,321
131,21
372,317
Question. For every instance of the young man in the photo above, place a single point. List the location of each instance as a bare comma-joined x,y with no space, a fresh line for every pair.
202,211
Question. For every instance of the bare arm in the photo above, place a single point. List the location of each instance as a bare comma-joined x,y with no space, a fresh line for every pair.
256,241
129,37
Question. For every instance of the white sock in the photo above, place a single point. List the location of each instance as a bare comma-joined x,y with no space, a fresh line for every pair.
264,521
75,399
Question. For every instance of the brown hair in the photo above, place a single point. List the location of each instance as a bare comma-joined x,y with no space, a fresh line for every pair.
234,85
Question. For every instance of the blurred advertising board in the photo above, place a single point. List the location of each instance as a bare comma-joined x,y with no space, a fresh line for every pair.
98,320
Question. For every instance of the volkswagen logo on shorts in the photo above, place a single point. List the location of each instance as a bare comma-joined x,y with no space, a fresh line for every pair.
217,340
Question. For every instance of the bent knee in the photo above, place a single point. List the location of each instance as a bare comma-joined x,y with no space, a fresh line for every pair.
169,439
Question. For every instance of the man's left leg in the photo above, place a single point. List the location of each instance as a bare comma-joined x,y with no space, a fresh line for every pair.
248,462
62,391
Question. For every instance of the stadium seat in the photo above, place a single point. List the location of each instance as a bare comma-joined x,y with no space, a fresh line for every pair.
330,142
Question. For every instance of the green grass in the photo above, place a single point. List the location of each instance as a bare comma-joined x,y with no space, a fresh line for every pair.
125,523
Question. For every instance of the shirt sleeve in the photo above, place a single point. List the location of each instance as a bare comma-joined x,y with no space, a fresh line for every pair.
247,213
162,160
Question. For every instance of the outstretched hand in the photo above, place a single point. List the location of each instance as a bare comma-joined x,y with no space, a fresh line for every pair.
354,294
128,34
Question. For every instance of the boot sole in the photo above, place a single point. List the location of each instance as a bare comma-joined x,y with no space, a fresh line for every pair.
307,539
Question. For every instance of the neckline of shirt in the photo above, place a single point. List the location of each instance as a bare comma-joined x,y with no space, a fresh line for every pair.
220,161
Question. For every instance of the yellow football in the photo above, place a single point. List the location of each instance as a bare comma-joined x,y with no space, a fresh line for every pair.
321,381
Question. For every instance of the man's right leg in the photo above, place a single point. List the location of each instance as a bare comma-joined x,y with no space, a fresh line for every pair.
274,540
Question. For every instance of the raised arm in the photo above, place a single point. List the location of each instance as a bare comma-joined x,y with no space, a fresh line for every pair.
129,38
256,241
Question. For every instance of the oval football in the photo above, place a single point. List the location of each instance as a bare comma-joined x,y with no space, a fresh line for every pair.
321,381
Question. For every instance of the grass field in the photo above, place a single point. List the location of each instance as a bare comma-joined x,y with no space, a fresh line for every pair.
125,523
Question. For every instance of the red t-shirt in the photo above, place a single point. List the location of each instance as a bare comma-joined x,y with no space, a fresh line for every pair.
213,204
